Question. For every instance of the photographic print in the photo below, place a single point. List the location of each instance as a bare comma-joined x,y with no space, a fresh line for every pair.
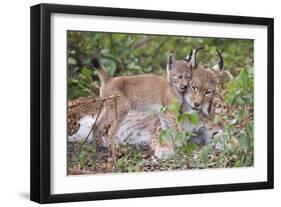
132,103
146,103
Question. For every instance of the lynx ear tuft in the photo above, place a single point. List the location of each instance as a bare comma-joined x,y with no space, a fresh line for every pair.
220,65
188,57
191,58
171,62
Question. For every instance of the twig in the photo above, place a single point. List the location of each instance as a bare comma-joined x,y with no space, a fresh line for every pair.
93,126
113,140
83,104
103,100
115,103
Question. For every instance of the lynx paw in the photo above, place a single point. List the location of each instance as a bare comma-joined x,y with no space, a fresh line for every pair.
163,152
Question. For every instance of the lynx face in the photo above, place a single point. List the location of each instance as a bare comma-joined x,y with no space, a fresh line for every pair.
178,73
201,90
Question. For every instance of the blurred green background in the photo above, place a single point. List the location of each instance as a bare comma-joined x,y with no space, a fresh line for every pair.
126,54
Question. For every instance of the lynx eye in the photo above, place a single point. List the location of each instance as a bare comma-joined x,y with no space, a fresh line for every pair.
208,92
193,88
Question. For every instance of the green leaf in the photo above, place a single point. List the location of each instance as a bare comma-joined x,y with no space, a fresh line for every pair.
167,133
183,136
86,72
251,84
229,98
74,81
133,66
217,119
244,78
148,69
110,65
71,61
239,100
204,153
174,106
131,168
237,163
190,147
240,116
193,117
181,118
243,140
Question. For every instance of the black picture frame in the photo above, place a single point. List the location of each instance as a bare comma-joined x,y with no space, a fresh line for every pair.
41,99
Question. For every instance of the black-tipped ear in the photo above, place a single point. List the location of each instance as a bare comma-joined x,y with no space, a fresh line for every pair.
95,63
192,57
220,65
210,107
171,62
188,57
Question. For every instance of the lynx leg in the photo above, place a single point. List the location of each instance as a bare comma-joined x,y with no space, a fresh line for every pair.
163,149
116,112
99,130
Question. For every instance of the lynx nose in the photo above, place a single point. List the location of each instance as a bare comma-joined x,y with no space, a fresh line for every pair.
183,88
196,104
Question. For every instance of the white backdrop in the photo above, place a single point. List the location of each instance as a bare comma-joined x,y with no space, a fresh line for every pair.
14,104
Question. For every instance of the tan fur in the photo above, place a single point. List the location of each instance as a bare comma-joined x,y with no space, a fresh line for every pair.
202,88
144,129
181,76
142,92
136,93
103,75
203,80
